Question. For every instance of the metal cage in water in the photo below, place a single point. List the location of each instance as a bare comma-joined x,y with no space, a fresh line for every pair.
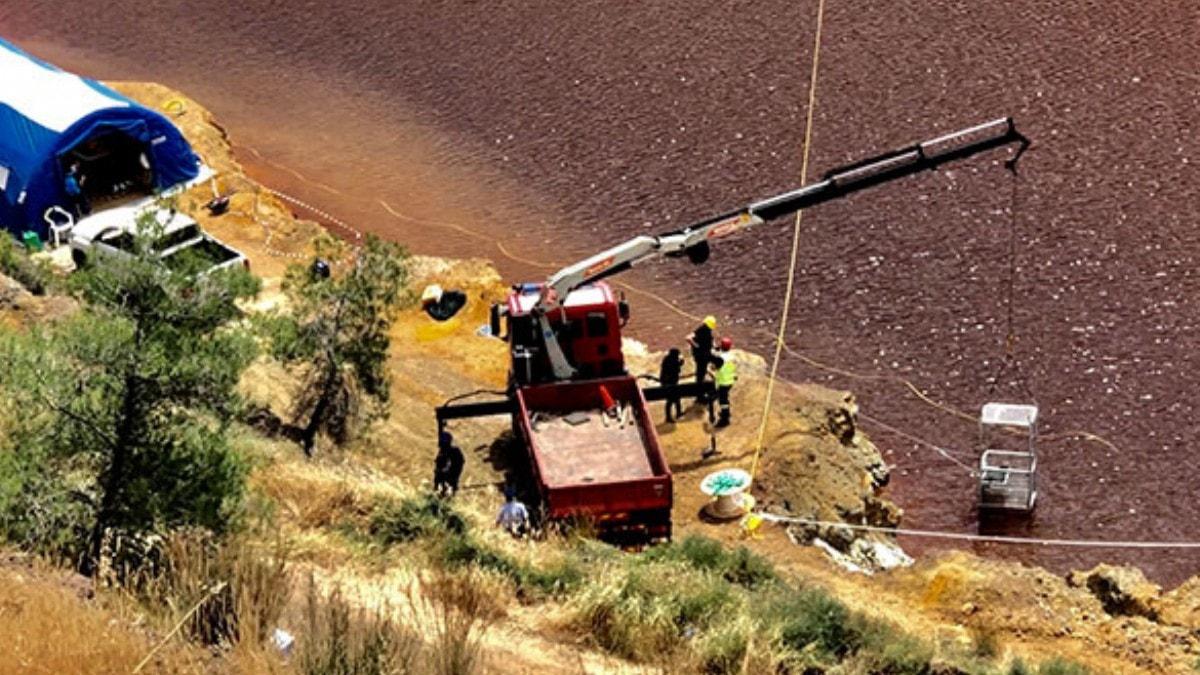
1007,468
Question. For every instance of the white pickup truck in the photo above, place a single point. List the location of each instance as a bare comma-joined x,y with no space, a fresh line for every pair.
111,233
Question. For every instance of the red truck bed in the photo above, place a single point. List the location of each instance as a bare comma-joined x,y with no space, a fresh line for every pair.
588,464
591,449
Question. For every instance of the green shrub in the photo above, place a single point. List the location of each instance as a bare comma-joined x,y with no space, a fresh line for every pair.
562,577
744,568
34,275
463,550
891,652
400,522
40,509
1018,667
1058,666
741,566
986,641
531,582
810,621
699,552
724,651
647,613
1055,666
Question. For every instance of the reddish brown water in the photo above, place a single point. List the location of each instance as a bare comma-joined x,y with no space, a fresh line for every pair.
562,126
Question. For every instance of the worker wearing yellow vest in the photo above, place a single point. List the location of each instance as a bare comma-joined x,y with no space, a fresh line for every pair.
725,376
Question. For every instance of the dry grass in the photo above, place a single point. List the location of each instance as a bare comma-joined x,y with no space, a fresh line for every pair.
47,629
338,638
317,495
460,608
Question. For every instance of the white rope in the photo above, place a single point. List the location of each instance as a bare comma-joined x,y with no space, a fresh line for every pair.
989,538
920,441
323,214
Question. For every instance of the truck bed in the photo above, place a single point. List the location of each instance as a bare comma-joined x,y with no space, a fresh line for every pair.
203,255
597,450
586,464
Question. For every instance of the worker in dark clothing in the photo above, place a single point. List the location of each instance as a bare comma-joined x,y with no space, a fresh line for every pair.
668,376
73,186
447,466
701,341
725,377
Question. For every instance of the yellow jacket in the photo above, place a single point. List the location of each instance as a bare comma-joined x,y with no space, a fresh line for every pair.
726,375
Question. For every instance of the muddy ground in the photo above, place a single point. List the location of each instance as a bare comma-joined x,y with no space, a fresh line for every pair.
565,126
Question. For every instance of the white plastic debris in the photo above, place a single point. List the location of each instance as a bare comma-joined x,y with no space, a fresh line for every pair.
284,641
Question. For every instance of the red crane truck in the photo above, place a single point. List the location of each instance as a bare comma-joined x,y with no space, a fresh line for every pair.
581,420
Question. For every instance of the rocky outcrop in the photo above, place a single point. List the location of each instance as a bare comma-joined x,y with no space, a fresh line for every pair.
1181,605
1122,591
12,294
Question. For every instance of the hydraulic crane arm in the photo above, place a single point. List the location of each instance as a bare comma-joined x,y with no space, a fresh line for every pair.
693,241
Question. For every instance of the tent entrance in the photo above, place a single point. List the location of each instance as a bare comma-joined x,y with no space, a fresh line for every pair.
113,167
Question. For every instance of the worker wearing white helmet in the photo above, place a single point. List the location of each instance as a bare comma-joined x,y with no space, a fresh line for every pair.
701,341
725,377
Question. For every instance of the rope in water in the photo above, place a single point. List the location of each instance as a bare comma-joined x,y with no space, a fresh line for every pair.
791,278
983,538
945,453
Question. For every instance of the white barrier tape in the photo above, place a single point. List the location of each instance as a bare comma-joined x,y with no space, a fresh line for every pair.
323,214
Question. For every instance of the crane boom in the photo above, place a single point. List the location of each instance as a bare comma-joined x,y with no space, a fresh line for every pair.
693,240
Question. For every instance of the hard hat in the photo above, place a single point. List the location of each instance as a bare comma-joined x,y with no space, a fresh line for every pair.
710,321
726,343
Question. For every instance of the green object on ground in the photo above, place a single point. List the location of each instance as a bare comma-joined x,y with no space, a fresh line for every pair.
724,482
31,240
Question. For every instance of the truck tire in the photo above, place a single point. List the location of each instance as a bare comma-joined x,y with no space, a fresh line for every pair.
79,258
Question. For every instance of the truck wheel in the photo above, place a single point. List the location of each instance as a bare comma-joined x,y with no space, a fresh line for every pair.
79,258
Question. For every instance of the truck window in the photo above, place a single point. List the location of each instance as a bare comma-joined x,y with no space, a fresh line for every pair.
522,331
177,237
122,241
597,324
574,329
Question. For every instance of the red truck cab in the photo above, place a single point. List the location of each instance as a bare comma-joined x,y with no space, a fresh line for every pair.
587,325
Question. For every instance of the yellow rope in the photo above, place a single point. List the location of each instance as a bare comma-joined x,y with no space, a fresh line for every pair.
791,279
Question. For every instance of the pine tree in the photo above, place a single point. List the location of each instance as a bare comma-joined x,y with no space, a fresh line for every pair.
335,335
125,407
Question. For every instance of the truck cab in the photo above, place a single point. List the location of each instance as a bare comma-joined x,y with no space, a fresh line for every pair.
587,325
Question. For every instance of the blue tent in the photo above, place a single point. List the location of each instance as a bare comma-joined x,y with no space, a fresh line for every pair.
48,118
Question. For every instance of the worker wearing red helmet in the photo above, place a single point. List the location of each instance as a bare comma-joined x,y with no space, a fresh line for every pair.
725,376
